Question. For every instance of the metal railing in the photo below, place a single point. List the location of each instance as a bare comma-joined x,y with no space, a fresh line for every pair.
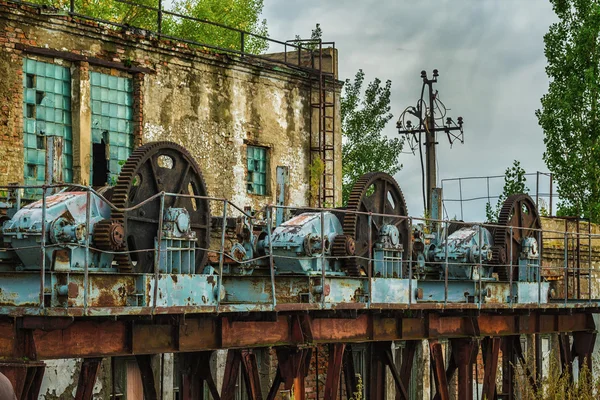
570,270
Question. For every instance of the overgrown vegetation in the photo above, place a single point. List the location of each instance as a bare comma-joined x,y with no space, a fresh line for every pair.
570,112
364,115
514,182
238,14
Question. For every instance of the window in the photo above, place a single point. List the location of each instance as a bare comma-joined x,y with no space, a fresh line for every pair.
257,170
46,112
112,118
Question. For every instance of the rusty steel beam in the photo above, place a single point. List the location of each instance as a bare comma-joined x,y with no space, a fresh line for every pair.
465,353
83,338
275,386
334,370
25,377
376,389
508,363
408,355
145,364
230,376
195,371
293,368
401,392
250,374
491,351
349,373
583,348
437,366
87,378
518,349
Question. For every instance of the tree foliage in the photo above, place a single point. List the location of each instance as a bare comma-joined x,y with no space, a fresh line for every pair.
569,115
514,182
364,115
238,14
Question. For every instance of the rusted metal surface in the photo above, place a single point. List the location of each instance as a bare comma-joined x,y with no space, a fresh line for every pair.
87,378
250,375
465,352
195,372
293,368
437,366
25,377
334,371
145,364
491,350
376,389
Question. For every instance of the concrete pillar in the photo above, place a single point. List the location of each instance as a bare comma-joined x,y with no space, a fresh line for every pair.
81,121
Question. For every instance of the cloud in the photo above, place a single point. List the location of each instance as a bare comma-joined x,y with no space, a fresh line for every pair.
491,62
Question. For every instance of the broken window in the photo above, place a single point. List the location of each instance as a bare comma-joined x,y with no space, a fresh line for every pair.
257,170
112,122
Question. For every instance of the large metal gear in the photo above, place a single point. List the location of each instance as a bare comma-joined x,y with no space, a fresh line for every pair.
153,168
379,193
520,213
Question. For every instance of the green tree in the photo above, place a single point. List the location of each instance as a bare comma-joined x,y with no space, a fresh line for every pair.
569,115
514,182
239,14
364,115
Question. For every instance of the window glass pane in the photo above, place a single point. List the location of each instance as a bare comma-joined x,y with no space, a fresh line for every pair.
111,108
47,99
256,170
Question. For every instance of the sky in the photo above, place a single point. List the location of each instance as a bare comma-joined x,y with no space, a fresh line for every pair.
490,57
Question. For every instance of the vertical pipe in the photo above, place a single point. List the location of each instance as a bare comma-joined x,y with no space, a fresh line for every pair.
271,265
461,198
370,265
72,6
159,17
510,267
537,189
480,266
578,262
550,194
566,262
446,262
242,44
158,252
410,271
222,253
488,190
285,52
539,266
323,257
590,262
43,248
86,260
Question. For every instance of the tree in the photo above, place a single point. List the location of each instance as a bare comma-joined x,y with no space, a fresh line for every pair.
569,115
514,182
365,148
238,14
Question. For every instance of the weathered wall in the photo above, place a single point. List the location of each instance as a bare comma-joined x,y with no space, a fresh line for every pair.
211,104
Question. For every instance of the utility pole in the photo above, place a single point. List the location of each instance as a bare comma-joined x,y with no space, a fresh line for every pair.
428,126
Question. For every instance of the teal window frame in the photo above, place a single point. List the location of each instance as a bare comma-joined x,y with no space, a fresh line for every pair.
112,117
46,111
256,167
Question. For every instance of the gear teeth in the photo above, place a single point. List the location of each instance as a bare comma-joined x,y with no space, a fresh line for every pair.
350,222
123,187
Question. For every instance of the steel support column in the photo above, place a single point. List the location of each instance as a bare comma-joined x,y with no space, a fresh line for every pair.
230,376
250,374
408,356
145,365
583,348
490,350
376,388
87,378
465,353
334,370
195,371
293,368
349,373
25,377
439,373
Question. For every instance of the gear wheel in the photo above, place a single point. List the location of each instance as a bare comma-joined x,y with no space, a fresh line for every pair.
109,235
377,193
520,213
153,168
343,246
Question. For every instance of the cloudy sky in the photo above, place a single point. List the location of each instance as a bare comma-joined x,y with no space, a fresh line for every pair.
489,54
